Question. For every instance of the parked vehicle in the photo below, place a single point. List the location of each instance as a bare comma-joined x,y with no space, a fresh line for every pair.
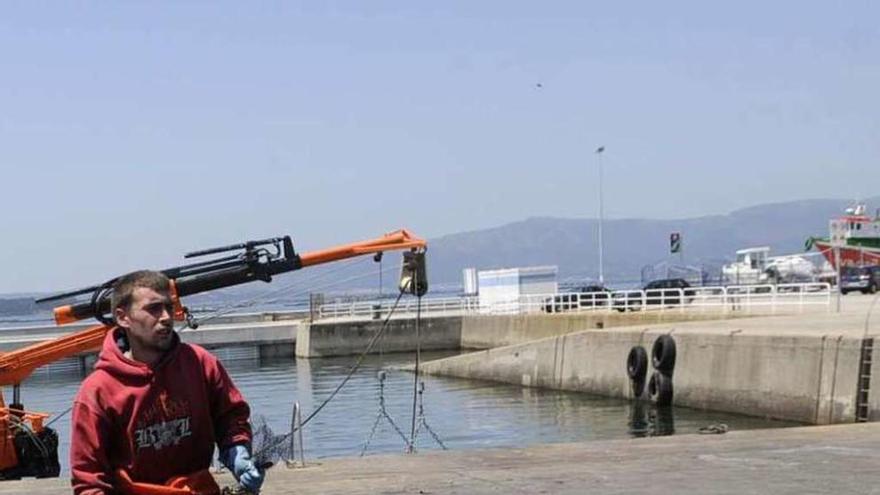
666,292
862,278
589,296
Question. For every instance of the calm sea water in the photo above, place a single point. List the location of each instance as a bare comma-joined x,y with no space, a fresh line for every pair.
464,414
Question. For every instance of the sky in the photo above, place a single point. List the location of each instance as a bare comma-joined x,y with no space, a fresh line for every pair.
132,132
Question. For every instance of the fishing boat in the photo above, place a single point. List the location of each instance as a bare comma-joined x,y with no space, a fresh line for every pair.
855,236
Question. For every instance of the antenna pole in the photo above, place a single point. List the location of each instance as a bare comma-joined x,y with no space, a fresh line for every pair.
599,151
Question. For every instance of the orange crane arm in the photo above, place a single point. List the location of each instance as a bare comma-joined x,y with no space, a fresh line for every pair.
401,239
17,365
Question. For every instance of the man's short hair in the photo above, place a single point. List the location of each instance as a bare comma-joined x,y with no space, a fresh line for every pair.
123,289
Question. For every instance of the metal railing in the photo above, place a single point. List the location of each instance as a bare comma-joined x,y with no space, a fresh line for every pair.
379,309
744,299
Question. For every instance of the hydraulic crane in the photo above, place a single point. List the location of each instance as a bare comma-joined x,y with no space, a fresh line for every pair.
29,448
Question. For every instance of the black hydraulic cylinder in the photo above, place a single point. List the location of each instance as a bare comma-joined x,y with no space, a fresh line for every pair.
207,277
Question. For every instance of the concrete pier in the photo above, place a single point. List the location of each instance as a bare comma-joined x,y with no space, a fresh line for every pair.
346,336
352,337
803,368
796,461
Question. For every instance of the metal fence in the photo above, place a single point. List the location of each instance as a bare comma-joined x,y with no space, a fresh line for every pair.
740,299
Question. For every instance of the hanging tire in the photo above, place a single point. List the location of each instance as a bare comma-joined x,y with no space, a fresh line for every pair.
637,369
637,363
660,389
663,354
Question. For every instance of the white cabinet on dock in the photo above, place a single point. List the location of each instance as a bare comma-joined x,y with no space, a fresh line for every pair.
507,290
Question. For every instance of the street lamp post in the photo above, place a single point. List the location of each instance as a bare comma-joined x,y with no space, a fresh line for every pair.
599,151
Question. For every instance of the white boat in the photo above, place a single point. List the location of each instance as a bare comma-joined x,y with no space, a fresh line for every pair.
756,266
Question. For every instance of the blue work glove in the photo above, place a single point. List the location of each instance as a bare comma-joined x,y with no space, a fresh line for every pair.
238,460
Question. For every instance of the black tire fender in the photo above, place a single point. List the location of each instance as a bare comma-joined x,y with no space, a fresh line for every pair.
663,354
660,389
637,363
637,370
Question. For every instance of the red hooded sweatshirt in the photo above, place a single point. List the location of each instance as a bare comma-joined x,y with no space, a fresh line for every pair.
156,422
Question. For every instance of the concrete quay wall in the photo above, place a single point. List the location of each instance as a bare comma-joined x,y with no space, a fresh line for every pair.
756,367
346,337
490,331
14,338
352,337
238,336
270,339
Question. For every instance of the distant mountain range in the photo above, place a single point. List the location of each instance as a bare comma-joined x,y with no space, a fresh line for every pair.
571,244
631,244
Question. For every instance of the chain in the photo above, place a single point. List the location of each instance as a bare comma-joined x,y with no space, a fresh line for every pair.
423,423
383,413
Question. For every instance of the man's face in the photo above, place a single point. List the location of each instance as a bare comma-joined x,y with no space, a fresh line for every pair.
149,321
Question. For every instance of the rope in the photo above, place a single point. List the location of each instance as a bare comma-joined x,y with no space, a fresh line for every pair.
58,416
714,429
351,372
16,422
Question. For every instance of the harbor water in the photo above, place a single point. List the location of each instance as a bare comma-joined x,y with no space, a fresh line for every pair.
461,414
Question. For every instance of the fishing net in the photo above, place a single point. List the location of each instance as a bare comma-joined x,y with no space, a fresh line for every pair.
267,446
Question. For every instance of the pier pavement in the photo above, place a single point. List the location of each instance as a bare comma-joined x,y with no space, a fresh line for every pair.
804,460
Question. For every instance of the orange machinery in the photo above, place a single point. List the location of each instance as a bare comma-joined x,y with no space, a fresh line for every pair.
22,434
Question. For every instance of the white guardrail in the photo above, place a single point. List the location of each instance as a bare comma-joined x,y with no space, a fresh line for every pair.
747,299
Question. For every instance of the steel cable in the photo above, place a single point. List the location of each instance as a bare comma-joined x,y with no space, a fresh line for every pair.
351,372
412,434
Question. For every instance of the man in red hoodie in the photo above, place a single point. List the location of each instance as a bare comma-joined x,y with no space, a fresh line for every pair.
155,407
